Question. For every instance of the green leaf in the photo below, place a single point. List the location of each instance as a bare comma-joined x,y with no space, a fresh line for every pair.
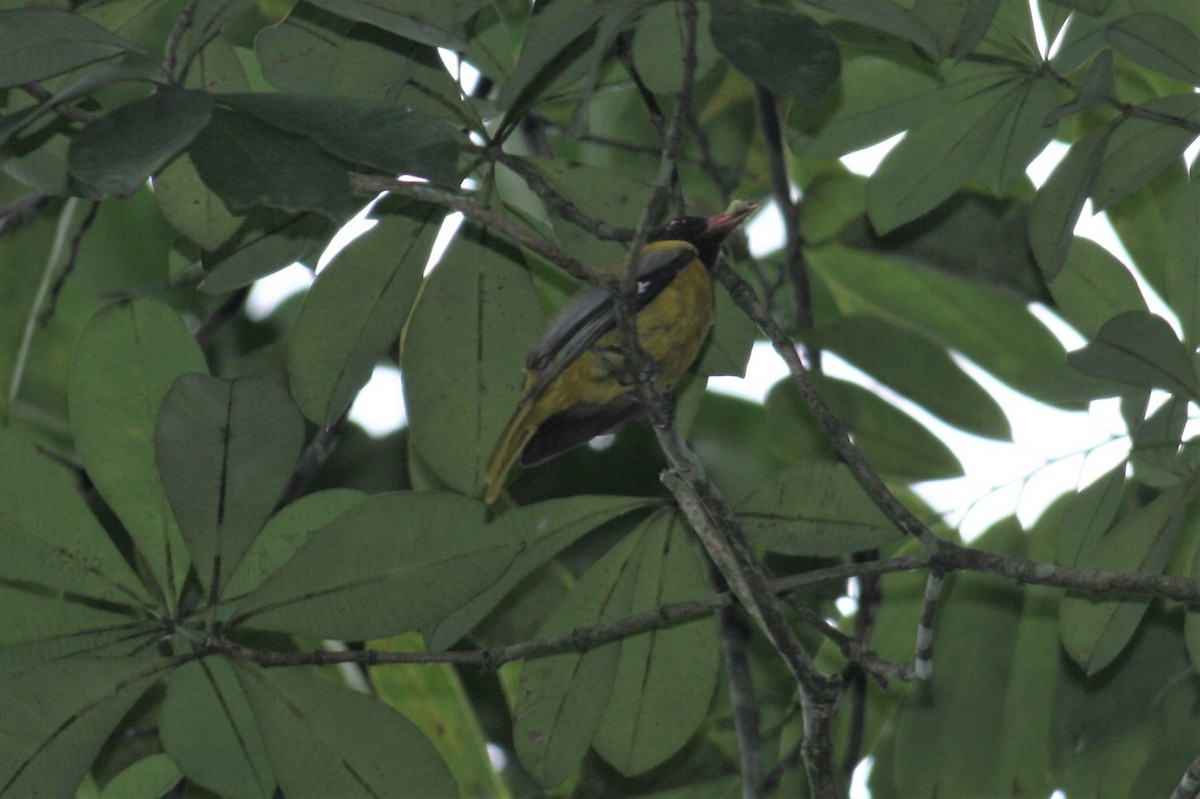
1093,287
287,531
41,628
1141,148
226,450
1097,87
207,727
191,207
433,697
267,242
552,40
1139,348
38,43
894,442
816,509
462,352
55,718
993,328
1087,516
544,529
356,309
94,78
914,366
658,47
957,25
563,697
150,776
1158,42
1183,262
117,153
1095,631
1022,136
1058,204
127,358
324,740
51,537
360,131
969,731
392,563
784,51
438,24
938,156
665,678
250,163
878,96
885,16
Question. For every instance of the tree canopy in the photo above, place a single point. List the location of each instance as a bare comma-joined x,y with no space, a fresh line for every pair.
213,584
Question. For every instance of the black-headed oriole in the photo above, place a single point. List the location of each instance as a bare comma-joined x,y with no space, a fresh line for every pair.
576,385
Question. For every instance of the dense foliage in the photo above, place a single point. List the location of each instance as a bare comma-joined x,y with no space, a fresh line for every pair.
192,534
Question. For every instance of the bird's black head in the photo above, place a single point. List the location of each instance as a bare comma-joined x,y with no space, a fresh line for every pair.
706,234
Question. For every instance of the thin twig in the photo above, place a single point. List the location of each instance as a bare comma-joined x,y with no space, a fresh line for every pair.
735,638
22,212
171,53
69,267
481,214
220,316
549,194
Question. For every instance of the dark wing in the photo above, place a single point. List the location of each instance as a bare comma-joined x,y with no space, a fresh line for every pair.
578,425
589,314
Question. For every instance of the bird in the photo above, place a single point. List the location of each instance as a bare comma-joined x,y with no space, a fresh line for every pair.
576,384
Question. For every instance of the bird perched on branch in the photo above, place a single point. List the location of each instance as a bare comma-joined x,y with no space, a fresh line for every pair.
577,386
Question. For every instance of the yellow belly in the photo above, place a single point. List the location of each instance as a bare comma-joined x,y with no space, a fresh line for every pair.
671,329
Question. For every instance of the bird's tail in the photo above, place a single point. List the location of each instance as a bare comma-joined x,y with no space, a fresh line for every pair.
508,448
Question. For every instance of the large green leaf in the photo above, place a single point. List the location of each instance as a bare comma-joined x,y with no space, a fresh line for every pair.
879,95
939,156
360,131
462,352
1158,42
786,52
117,153
1143,147
207,727
1093,287
1095,631
894,442
54,719
324,740
392,563
127,358
356,310
545,529
437,24
1182,265
250,163
38,43
268,241
814,509
226,450
287,531
154,775
191,207
957,25
886,16
1057,207
665,678
434,698
563,697
51,537
1140,348
38,628
968,731
993,328
914,366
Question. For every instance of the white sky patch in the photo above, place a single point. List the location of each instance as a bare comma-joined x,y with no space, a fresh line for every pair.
379,407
